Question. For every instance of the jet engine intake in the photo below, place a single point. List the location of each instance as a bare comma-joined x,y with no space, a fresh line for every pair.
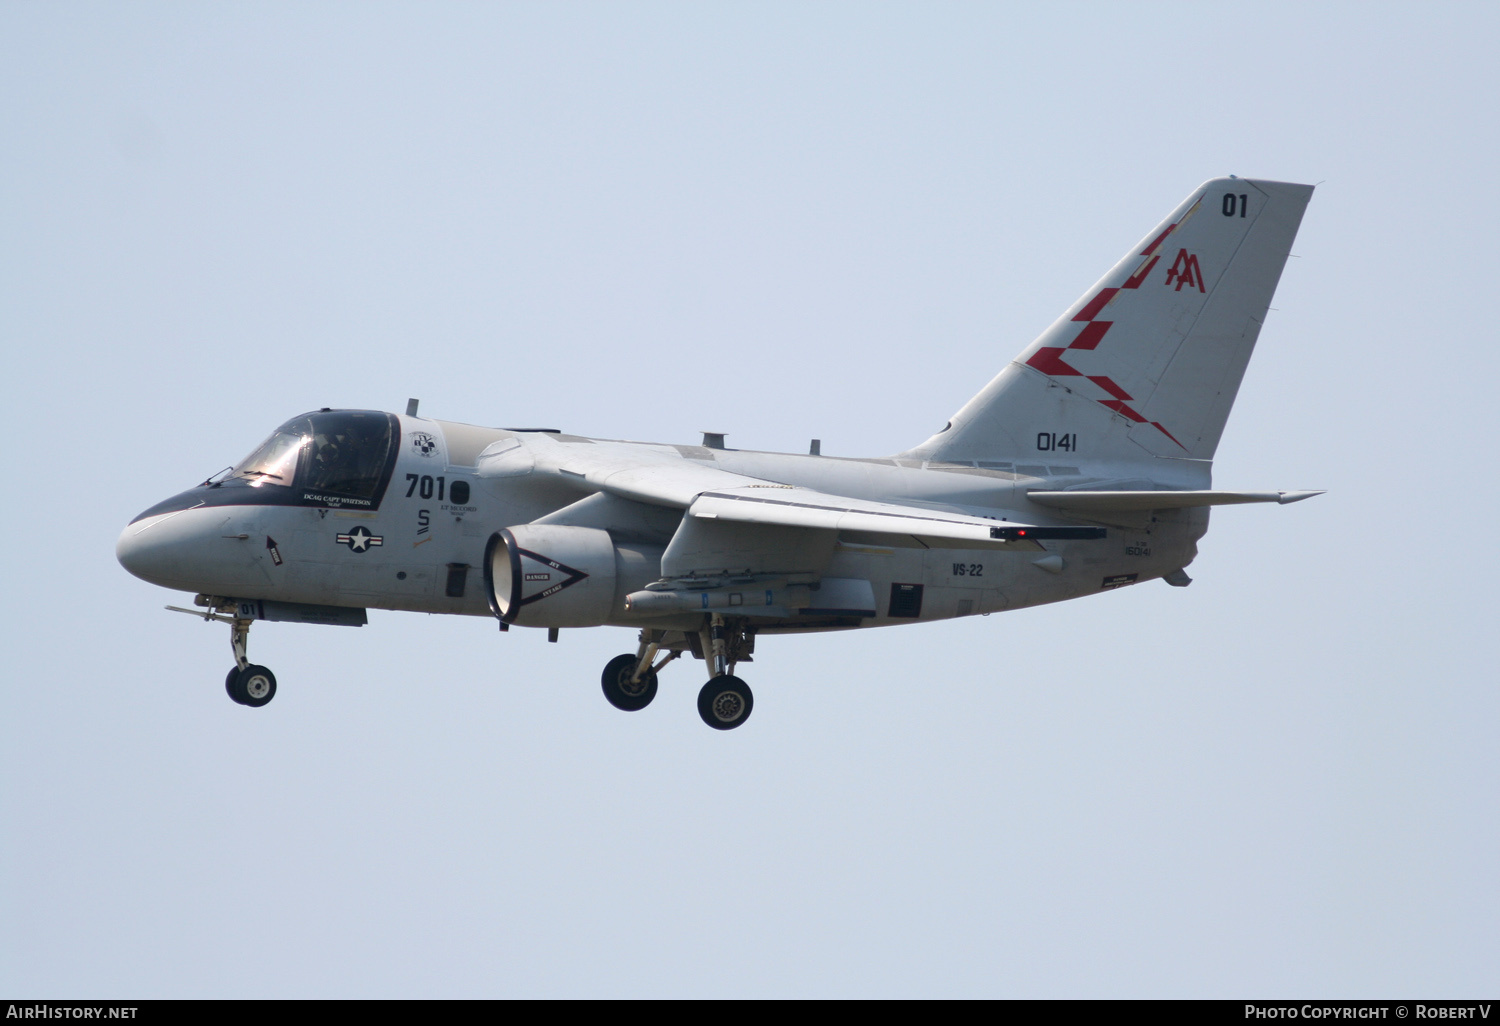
539,575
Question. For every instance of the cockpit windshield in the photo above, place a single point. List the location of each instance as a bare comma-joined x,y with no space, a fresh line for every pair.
334,457
275,462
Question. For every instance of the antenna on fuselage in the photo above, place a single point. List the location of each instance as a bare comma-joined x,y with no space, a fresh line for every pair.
411,407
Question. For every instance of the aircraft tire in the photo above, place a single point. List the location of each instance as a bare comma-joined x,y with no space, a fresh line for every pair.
619,690
725,702
253,686
229,682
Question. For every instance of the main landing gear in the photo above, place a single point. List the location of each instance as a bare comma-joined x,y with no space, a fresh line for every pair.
627,685
724,702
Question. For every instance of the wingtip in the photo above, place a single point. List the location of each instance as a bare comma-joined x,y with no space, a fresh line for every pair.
1287,497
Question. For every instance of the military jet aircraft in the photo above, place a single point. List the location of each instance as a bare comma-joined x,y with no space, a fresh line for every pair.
1084,466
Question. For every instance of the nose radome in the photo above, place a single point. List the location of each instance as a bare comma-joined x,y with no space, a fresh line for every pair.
136,551
164,549
194,549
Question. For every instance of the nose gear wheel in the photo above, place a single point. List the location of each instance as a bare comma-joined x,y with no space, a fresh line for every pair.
253,686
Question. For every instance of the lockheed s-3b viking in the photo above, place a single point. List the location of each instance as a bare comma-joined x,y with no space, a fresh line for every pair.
1084,466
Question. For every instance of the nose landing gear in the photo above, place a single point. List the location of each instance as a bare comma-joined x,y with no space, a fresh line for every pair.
247,683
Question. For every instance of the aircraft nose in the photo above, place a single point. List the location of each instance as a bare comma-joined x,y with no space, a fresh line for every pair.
157,549
186,545
136,551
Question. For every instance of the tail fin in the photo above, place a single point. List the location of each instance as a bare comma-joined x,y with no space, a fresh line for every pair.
1148,361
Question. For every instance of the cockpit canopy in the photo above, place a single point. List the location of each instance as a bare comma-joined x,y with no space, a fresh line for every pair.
333,457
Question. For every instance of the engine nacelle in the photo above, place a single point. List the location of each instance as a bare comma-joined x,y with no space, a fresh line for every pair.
540,575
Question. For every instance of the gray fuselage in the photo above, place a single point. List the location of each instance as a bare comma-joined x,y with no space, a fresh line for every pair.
418,546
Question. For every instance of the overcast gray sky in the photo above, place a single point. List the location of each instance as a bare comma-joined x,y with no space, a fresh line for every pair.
780,221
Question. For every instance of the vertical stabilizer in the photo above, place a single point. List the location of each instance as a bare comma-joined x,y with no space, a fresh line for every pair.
1148,361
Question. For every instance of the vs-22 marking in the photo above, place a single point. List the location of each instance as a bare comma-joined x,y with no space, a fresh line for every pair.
968,569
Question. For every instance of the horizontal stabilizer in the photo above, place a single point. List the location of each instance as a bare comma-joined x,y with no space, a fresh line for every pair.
1100,502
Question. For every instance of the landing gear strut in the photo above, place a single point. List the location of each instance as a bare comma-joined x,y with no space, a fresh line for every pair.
247,683
725,701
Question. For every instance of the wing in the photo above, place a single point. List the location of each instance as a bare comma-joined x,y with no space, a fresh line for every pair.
658,475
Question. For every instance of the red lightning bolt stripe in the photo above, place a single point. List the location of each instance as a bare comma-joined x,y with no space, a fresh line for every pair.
1121,408
1049,360
1091,310
1134,281
1109,386
1158,240
1091,334
1168,434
